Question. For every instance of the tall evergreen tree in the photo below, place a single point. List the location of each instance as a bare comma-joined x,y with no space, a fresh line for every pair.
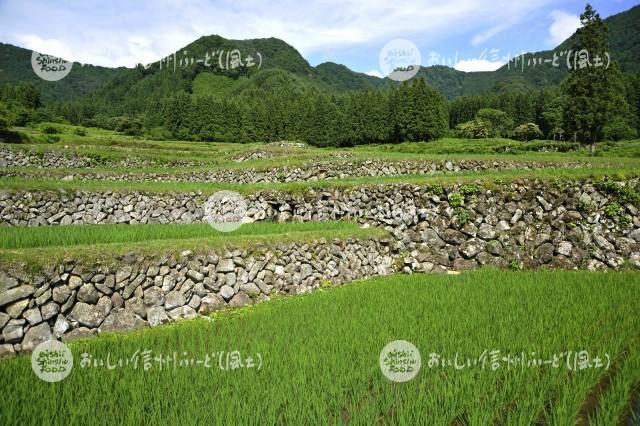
425,123
400,112
177,111
594,94
4,117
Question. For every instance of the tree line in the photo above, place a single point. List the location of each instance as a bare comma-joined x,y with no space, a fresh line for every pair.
413,111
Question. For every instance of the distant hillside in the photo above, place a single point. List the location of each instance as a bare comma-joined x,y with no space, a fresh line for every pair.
283,65
15,66
340,78
276,55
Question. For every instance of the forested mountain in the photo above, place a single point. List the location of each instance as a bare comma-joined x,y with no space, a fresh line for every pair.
15,67
339,78
123,85
275,64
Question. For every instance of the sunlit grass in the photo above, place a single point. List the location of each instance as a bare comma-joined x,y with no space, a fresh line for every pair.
320,356
48,236
489,176
38,247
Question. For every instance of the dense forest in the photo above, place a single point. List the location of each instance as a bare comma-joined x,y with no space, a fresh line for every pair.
331,106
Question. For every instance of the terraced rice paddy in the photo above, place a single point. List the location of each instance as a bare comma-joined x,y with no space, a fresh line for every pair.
320,358
496,346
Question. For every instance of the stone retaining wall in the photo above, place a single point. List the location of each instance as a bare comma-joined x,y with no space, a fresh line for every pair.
568,224
58,159
523,224
309,172
73,300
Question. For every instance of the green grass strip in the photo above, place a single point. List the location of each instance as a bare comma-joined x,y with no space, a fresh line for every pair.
463,177
39,247
48,236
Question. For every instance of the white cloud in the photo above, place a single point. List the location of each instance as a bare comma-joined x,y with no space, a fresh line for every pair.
374,73
477,65
563,26
48,46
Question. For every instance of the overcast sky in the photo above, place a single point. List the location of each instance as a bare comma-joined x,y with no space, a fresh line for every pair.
470,34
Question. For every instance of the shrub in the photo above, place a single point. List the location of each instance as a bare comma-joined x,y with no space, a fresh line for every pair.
456,199
474,129
584,206
463,215
469,189
159,133
618,130
80,131
50,130
515,265
497,122
99,120
527,132
127,125
21,116
4,117
437,189
625,194
613,210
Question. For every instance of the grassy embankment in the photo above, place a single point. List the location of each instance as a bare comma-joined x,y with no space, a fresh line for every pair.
41,246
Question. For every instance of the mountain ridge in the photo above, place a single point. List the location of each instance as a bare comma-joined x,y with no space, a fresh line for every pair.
624,38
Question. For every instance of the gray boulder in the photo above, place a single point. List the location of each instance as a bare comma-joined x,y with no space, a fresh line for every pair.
36,335
121,319
87,315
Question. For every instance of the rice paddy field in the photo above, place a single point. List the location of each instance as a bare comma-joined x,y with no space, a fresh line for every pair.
30,237
319,358
39,247
496,347
101,145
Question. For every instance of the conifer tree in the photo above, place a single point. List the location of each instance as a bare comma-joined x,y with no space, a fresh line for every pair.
594,94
